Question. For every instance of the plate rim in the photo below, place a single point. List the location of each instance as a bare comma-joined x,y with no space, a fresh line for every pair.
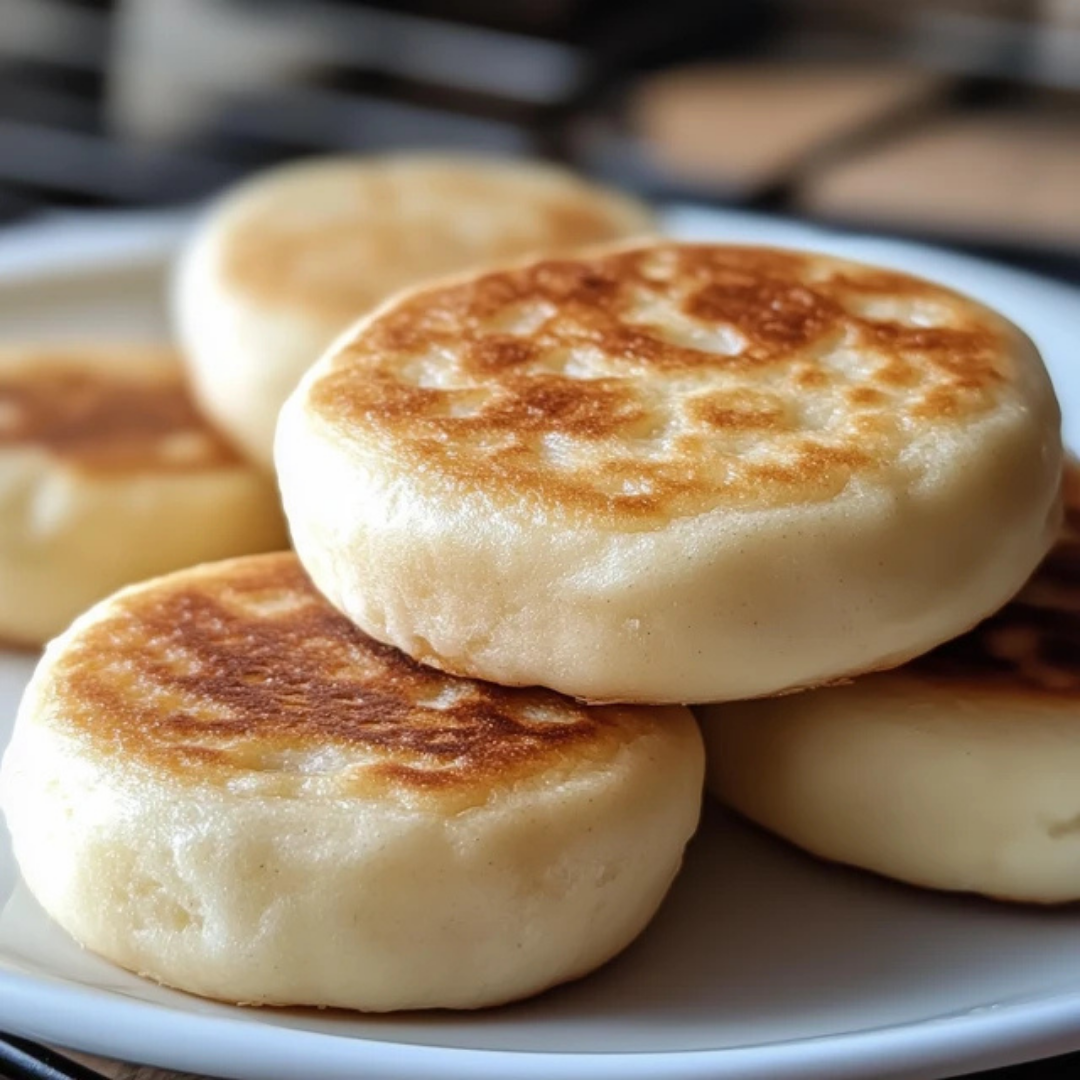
987,1037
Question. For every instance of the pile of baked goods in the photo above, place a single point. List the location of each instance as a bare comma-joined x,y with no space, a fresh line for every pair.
550,480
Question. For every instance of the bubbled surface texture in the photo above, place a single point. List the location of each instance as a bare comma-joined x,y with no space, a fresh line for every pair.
670,380
251,679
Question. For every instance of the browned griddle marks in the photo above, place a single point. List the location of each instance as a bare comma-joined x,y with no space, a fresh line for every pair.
299,676
106,421
513,391
373,240
1033,643
1026,646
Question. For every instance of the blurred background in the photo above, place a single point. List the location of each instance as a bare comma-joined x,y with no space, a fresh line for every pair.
956,121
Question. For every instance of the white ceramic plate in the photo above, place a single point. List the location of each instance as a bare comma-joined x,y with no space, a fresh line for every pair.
762,964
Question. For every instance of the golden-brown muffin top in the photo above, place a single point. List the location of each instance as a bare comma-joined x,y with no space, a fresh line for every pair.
1031,648
670,379
105,409
241,670
333,238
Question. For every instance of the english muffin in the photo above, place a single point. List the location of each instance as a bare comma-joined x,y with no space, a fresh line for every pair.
218,782
955,772
108,474
289,259
673,473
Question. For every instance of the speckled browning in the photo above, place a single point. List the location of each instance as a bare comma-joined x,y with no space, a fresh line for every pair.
243,667
102,420
363,231
667,380
1032,646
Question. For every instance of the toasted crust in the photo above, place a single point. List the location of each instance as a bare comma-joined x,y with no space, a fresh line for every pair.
667,380
1030,650
241,670
353,231
119,409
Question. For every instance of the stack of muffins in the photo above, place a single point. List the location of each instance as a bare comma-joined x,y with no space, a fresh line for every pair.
441,755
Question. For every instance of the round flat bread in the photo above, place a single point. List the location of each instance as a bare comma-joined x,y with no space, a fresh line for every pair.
955,772
673,472
286,261
108,474
216,781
